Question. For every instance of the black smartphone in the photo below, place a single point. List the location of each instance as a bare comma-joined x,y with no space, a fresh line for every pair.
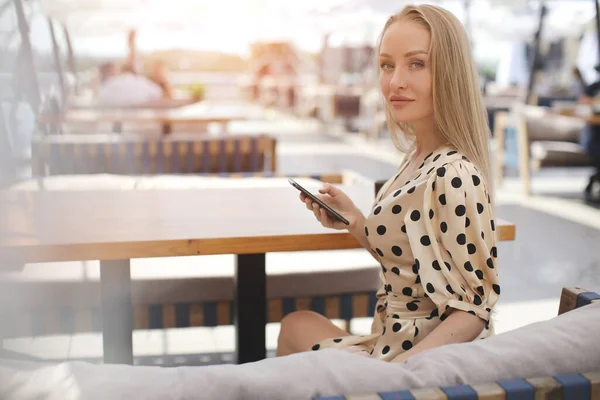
314,198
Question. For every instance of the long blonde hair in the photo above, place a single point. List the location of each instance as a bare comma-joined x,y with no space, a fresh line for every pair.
457,102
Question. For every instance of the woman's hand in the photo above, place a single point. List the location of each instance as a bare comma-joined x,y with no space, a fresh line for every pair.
340,202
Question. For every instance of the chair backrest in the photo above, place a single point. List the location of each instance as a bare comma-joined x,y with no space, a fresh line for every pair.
139,155
542,123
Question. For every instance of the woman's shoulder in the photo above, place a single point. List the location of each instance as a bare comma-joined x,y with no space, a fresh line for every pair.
456,170
448,158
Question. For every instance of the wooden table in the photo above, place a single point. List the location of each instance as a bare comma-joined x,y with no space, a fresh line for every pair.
202,112
116,226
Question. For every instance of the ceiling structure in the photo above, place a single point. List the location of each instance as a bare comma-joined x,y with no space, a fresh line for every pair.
507,18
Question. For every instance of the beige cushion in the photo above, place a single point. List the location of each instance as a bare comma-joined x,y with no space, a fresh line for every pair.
542,124
549,153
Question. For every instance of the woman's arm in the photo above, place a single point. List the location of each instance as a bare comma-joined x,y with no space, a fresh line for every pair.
459,327
358,231
334,197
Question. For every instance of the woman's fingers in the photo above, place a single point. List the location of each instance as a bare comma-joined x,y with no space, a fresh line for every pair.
319,212
309,203
325,220
316,210
328,188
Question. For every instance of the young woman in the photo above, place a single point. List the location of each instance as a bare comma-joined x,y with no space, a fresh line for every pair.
432,224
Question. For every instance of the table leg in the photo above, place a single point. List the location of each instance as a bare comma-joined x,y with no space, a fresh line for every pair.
166,129
250,307
117,312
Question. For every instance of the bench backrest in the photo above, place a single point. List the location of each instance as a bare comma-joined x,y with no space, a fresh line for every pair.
135,155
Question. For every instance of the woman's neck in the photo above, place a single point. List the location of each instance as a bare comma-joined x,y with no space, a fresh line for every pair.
428,137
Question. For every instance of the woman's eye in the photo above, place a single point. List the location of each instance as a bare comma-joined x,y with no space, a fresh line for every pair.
386,66
417,64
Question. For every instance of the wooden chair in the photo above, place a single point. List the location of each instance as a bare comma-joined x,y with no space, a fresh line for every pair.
544,139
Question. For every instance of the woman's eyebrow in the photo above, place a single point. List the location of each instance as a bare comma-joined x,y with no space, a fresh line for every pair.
409,54
415,52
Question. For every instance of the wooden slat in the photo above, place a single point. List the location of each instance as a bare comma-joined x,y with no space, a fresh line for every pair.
152,151
594,378
141,319
168,157
568,299
372,396
273,155
275,310
223,313
198,150
428,394
489,391
360,305
332,307
168,316
303,303
196,315
546,388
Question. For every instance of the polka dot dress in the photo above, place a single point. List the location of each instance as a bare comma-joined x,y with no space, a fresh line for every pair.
435,239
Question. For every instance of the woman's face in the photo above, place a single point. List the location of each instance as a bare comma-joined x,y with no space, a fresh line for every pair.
405,72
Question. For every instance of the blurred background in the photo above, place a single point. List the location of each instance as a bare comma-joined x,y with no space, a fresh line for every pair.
148,95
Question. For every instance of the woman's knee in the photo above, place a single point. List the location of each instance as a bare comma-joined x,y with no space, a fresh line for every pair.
291,331
297,320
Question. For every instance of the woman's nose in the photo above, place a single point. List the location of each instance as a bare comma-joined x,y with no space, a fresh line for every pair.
398,81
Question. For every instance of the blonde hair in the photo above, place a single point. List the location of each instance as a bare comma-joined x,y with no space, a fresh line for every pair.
457,102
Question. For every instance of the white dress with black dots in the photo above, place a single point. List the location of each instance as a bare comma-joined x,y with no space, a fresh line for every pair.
435,239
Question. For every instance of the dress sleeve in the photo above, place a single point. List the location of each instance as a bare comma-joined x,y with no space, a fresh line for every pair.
455,242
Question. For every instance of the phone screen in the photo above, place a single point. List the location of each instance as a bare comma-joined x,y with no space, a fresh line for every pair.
314,198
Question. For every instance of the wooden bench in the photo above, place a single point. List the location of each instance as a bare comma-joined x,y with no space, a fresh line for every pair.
138,154
571,386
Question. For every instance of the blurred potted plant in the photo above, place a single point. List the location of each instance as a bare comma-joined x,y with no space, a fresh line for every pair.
197,91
